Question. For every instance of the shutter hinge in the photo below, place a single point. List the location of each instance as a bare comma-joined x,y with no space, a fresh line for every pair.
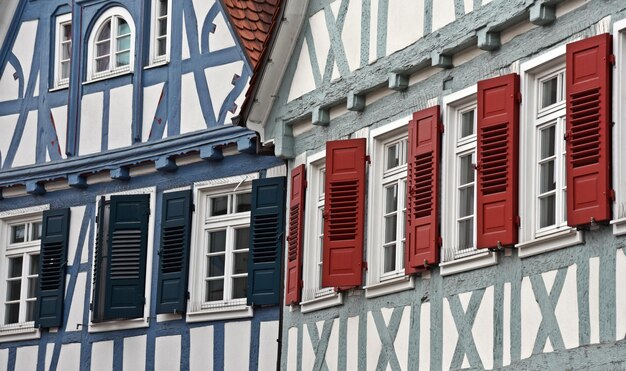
441,128
306,184
364,265
518,97
439,241
187,295
612,59
367,159
518,221
612,195
566,136
193,207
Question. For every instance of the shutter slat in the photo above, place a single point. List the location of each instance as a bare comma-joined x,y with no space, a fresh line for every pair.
52,267
174,252
497,158
344,211
588,128
267,224
422,226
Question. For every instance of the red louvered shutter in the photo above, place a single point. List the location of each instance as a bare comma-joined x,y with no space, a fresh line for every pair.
497,148
588,134
296,229
344,213
422,236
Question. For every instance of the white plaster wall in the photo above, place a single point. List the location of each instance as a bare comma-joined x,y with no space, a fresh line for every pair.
620,299
332,352
24,47
424,337
321,39
91,124
352,344
374,345
167,353
401,344
221,38
302,81
201,8
405,23
4,359
482,330
185,50
69,358
219,80
49,351
268,346
373,30
594,299
133,346
59,114
236,344
506,325
450,334
468,6
8,10
351,34
530,318
27,148
78,303
151,98
9,86
201,349
292,348
102,356
566,310
121,117
443,13
26,358
77,214
191,118
308,353
7,126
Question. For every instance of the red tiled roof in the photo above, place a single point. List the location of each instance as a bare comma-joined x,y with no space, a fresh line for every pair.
253,21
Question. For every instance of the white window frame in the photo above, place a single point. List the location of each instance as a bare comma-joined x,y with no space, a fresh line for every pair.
155,59
143,321
199,310
378,282
619,129
111,14
533,239
315,297
22,330
453,147
60,22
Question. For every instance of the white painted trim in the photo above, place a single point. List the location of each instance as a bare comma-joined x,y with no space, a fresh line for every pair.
476,261
454,98
323,302
165,59
24,212
220,182
387,128
117,11
555,241
60,21
543,59
145,320
619,129
220,314
27,332
392,286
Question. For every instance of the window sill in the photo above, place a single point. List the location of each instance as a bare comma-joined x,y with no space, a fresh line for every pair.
19,332
391,286
126,324
619,226
555,241
323,302
108,76
217,314
476,261
59,87
156,64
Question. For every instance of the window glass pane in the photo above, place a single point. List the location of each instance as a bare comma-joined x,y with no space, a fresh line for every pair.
161,47
13,290
65,70
162,7
35,233
34,265
123,59
548,142
15,267
467,169
391,199
105,31
66,50
102,64
162,27
391,223
12,314
67,32
467,123
466,201
215,265
466,233
122,27
242,238
32,287
243,202
389,258
241,263
240,286
30,311
18,233
322,182
547,208
214,290
102,48
219,205
123,43
547,180
393,156
217,241
549,92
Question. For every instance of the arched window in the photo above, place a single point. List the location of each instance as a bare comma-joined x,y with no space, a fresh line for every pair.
112,44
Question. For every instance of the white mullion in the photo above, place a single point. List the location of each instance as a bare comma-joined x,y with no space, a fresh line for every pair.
23,288
400,234
228,262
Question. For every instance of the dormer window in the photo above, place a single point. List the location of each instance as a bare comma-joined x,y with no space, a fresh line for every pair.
112,44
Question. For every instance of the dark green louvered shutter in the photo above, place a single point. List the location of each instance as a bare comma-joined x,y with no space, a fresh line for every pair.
52,264
267,224
126,268
174,252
